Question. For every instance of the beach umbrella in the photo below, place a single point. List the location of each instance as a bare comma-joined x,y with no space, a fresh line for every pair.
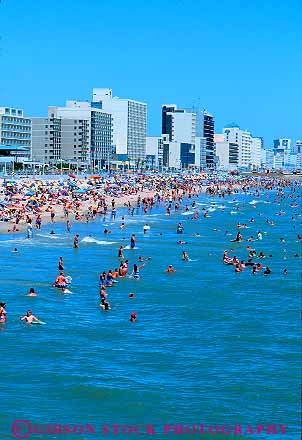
72,176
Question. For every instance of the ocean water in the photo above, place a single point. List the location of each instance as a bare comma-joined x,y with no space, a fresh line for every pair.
209,346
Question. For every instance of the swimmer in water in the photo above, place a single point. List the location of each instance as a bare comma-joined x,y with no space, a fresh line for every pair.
267,271
180,228
133,317
61,264
52,232
185,256
68,226
131,295
170,269
254,271
29,317
146,228
2,313
60,281
135,271
238,237
15,250
285,272
76,241
132,241
105,305
120,252
31,292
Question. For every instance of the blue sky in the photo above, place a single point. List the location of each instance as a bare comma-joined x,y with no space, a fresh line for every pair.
241,60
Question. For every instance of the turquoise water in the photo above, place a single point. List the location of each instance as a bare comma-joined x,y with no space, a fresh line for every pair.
209,346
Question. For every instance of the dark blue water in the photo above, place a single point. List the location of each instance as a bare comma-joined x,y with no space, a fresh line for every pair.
209,346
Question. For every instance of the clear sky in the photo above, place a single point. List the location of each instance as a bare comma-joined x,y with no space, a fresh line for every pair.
240,59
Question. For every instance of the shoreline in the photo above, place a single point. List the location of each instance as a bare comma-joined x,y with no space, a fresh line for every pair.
40,197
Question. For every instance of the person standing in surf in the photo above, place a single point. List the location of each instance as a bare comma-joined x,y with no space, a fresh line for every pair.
76,241
132,241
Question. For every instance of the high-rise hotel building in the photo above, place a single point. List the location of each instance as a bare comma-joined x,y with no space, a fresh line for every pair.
15,132
129,123
191,127
76,132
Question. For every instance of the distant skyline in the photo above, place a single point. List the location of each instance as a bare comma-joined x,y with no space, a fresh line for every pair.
240,63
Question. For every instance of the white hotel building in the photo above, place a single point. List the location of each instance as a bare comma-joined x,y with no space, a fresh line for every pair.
129,123
249,147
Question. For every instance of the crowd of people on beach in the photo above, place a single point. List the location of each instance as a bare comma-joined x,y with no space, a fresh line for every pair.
174,193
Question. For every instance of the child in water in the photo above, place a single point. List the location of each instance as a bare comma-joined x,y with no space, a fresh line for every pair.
29,317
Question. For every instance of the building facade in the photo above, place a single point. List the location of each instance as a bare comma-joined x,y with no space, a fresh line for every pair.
76,133
267,159
205,126
256,146
227,153
15,133
298,147
283,150
194,127
249,147
243,138
200,152
154,152
129,123
46,140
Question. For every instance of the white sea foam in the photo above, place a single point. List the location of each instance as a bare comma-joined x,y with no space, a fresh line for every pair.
53,236
94,240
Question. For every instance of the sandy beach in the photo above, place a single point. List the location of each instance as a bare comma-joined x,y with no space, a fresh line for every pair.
49,201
